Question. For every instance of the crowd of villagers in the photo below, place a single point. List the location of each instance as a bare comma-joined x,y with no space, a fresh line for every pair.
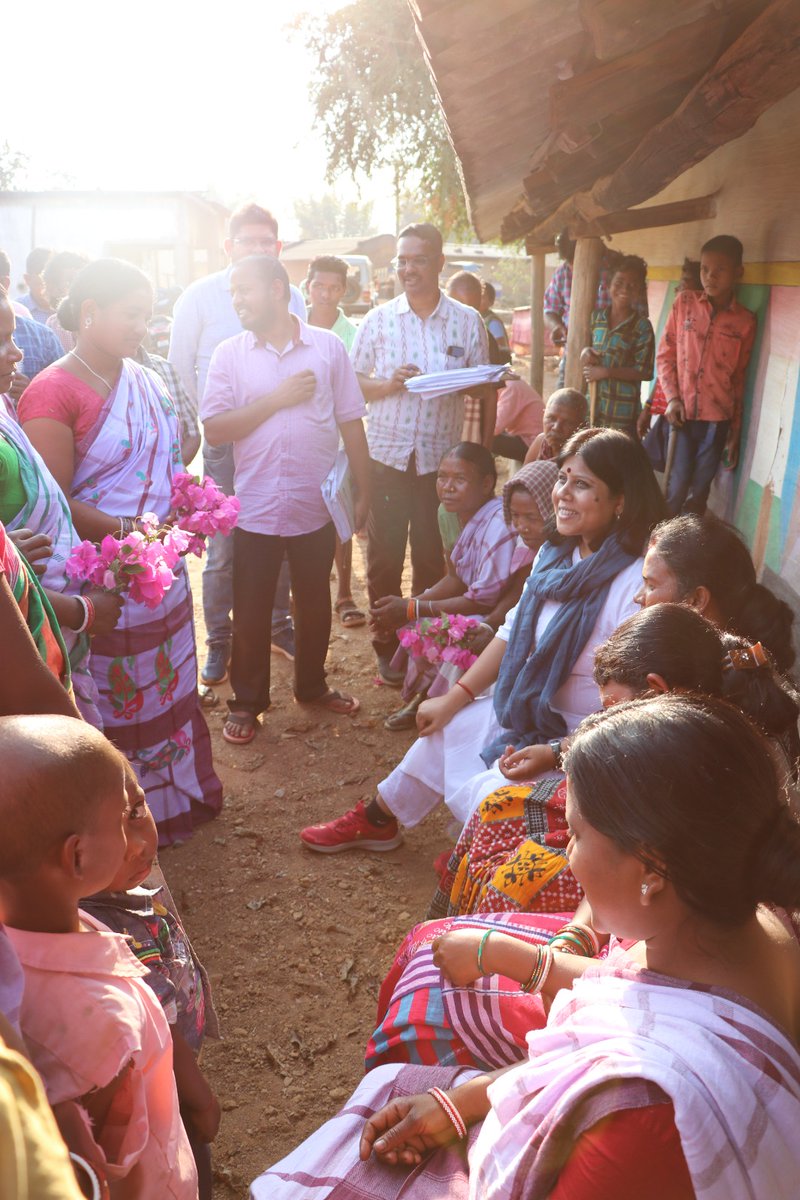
604,998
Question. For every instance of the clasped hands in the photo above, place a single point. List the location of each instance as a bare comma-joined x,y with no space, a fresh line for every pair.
592,370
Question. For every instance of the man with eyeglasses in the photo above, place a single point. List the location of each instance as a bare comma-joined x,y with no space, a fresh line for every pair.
204,316
420,331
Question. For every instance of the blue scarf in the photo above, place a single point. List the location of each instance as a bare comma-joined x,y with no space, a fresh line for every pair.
530,674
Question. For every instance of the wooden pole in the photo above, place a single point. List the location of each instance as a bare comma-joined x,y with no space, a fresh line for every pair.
537,321
585,277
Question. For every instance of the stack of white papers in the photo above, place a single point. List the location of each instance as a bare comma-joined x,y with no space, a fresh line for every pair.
337,492
460,379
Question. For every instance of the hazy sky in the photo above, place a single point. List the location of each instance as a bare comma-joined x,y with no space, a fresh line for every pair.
169,94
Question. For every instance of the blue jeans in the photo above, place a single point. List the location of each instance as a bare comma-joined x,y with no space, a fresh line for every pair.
698,453
218,571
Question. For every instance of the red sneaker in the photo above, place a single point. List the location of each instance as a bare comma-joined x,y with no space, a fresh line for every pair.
353,831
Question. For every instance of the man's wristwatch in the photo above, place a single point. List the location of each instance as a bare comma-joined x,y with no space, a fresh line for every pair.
555,746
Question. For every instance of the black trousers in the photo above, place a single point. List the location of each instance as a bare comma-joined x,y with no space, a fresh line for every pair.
404,506
257,559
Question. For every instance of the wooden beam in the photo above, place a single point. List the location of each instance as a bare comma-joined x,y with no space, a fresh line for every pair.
678,212
585,277
537,322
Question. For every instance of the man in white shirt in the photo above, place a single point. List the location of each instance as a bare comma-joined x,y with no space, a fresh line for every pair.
418,332
204,316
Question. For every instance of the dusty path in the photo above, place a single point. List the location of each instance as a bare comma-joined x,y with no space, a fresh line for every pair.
296,943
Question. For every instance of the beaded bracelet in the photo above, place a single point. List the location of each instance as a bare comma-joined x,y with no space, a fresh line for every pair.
577,939
455,1116
481,946
541,970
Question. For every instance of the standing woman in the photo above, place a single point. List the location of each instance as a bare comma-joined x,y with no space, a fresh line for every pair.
109,435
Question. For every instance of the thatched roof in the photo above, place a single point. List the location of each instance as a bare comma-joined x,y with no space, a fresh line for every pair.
561,111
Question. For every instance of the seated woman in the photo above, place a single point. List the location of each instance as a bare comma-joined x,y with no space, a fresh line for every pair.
703,562
510,868
510,855
581,587
109,435
478,568
527,509
669,1070
621,356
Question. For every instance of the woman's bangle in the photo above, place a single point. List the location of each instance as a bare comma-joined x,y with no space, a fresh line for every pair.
455,1116
410,610
481,948
576,939
460,683
538,976
88,614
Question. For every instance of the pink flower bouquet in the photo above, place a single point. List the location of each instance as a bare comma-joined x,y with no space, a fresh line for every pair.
440,640
140,564
202,510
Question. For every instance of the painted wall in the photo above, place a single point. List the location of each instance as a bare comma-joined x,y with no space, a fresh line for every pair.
757,181
762,496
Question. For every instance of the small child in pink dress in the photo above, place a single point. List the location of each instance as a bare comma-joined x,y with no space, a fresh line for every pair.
96,1033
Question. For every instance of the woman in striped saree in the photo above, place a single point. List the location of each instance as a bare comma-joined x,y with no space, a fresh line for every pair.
672,1069
109,434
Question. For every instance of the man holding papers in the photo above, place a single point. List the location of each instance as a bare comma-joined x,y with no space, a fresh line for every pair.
282,392
419,332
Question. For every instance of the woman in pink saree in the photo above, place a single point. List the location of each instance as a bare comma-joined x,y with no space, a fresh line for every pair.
108,431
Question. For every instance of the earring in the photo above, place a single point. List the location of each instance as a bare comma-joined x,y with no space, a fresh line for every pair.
645,888
87,322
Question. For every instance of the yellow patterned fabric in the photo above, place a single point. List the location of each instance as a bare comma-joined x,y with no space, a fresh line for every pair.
511,856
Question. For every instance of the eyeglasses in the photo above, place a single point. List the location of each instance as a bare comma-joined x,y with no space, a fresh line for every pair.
419,260
253,243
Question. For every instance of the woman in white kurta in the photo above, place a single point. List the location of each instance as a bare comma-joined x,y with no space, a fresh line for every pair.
581,587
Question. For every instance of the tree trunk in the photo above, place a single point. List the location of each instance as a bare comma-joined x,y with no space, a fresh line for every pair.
585,277
537,321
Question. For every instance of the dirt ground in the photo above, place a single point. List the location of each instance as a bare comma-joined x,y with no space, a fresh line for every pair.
296,943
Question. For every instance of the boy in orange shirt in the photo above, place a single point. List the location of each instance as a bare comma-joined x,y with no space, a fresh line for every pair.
702,362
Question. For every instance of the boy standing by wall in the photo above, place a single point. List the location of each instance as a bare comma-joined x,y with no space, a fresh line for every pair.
702,362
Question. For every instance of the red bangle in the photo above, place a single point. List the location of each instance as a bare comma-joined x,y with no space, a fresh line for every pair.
90,613
460,683
456,1119
410,610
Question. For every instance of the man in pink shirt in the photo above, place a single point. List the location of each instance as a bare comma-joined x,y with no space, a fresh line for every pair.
282,392
702,362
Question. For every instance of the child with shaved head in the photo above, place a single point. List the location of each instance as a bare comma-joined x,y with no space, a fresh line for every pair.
95,1031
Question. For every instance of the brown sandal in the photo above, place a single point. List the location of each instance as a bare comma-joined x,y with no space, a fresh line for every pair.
350,616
